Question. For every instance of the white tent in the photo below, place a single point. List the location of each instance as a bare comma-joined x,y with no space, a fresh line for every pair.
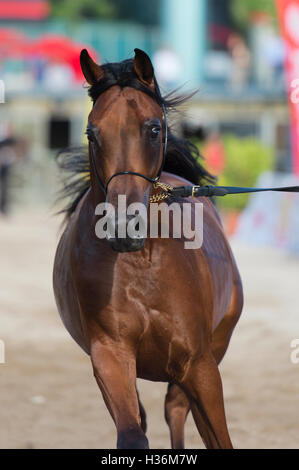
271,218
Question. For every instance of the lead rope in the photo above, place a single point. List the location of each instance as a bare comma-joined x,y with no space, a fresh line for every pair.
209,191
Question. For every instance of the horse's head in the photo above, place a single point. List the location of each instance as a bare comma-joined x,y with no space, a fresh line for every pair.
125,132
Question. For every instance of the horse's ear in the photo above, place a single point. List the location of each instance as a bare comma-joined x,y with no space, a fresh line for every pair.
91,71
144,67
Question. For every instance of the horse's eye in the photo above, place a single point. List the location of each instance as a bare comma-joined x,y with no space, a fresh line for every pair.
155,131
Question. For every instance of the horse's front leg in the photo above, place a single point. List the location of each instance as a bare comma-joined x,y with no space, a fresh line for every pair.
115,372
203,387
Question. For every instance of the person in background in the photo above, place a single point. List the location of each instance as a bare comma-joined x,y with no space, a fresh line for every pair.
8,157
12,149
241,62
214,154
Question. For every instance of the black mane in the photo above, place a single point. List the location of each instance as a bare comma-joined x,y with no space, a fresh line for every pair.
182,157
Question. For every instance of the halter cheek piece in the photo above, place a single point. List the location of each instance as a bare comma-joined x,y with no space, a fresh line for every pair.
154,181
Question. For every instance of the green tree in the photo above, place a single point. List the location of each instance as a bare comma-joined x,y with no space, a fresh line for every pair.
83,9
242,10
143,11
246,159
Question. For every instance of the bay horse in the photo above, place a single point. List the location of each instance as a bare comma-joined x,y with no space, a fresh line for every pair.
146,308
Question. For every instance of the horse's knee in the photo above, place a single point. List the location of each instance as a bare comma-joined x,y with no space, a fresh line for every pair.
132,439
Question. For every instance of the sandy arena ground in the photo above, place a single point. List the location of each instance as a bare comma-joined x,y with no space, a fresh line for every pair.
48,395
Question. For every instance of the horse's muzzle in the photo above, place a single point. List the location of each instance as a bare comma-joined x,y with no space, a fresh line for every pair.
126,245
123,240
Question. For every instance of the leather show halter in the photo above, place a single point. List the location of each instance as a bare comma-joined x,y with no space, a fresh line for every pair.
154,181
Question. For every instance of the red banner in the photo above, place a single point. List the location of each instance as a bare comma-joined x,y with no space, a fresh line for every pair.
24,9
288,17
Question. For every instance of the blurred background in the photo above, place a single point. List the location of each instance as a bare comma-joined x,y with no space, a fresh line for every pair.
232,51
242,56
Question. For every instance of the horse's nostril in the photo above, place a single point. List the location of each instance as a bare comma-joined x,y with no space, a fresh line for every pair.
123,245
